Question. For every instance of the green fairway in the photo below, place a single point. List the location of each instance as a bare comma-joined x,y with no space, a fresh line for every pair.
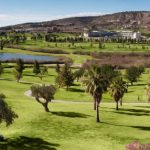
71,123
86,46
72,126
76,92
29,46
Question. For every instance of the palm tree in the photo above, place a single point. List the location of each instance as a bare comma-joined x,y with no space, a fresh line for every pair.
18,70
79,73
6,113
95,85
117,89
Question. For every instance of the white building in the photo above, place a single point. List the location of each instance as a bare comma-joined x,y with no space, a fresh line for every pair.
92,34
129,34
120,34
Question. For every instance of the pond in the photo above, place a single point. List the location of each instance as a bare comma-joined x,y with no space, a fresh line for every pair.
26,58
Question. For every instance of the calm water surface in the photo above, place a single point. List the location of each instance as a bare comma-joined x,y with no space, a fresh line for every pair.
25,57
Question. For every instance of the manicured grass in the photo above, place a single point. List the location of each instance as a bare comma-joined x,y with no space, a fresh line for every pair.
86,46
71,126
136,93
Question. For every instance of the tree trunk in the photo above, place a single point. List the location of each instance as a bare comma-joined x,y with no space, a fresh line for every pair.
97,113
67,88
2,47
45,105
117,108
41,77
94,104
121,102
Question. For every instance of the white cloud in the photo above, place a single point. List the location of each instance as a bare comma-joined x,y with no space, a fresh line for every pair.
86,14
11,19
3,17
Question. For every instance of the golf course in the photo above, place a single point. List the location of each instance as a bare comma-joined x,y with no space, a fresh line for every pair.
71,123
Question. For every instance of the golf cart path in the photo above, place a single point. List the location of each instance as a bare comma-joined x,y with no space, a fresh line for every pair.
29,94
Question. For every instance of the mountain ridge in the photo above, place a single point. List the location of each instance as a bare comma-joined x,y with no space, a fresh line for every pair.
129,20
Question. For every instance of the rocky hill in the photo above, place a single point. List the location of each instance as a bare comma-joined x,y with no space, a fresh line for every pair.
134,20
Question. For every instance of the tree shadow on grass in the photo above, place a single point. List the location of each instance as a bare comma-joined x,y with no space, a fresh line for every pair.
6,79
27,143
24,82
145,128
50,75
132,112
141,128
70,114
139,84
76,90
29,75
130,91
76,84
143,106
136,110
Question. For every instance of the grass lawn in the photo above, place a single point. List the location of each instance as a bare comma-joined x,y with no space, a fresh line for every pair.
136,93
70,126
86,46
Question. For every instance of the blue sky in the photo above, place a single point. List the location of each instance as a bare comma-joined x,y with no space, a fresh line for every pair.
20,11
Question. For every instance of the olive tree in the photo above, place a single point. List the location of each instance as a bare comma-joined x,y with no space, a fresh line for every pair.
43,94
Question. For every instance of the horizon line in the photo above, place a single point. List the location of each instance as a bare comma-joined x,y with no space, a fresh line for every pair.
82,14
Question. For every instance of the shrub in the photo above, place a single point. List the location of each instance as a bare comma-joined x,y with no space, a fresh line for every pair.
132,74
36,68
81,53
65,77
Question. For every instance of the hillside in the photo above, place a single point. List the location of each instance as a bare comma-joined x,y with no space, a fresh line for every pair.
125,20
